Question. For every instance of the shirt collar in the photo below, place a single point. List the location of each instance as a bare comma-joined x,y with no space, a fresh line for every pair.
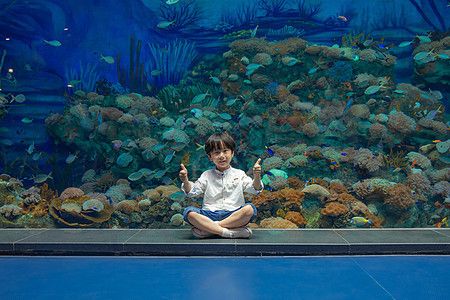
224,172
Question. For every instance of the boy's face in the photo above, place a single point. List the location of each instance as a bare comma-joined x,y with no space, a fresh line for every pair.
221,158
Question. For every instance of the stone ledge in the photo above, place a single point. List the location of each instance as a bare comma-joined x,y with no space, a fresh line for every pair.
265,242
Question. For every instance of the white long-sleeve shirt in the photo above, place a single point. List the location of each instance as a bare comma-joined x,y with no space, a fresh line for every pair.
222,190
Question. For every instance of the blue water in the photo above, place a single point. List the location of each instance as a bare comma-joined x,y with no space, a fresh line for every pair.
373,277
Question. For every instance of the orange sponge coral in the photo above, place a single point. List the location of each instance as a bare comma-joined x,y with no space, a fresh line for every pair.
334,209
296,218
399,196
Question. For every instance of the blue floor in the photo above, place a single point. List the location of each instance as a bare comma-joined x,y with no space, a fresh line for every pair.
347,277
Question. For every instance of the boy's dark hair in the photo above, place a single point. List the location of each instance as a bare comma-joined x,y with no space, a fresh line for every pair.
218,141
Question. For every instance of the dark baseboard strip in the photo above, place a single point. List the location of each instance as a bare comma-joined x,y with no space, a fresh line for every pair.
179,242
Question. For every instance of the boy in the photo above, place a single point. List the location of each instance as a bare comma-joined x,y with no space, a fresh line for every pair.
224,211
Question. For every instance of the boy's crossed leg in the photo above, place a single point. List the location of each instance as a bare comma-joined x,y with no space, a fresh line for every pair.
230,227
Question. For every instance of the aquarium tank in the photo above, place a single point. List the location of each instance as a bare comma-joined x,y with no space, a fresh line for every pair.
345,102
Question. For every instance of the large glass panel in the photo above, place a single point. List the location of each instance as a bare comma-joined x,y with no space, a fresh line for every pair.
345,103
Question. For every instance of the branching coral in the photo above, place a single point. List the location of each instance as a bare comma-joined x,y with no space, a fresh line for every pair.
184,14
272,7
307,13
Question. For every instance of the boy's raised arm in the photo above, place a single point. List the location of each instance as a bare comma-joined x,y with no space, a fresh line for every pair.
257,175
184,178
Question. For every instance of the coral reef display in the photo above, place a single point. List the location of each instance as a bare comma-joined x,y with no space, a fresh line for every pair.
344,142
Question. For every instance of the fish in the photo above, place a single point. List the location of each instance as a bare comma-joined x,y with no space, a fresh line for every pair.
270,151
177,196
289,61
71,158
251,68
107,59
230,102
246,81
423,55
171,2
198,113
225,116
40,178
436,141
155,73
405,44
19,98
30,148
424,39
413,164
74,82
36,156
199,98
401,92
431,114
27,120
99,118
372,89
344,153
342,18
200,147
313,70
158,147
165,24
253,32
160,174
215,79
443,56
169,157
348,105
355,57
135,176
360,221
442,223
53,43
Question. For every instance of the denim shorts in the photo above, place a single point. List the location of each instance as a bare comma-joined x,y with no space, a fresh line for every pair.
217,215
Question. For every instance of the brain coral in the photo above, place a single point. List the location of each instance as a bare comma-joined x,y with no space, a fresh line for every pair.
401,123
419,160
274,162
71,192
334,209
400,197
366,160
311,129
278,222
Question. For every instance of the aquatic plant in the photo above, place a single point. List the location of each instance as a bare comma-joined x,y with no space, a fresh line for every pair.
184,14
84,77
132,77
239,16
171,61
272,8
308,12
390,17
420,9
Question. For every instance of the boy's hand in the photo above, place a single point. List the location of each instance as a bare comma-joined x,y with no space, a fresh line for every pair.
183,173
257,168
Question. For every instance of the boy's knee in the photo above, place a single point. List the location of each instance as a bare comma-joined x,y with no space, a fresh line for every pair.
248,210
